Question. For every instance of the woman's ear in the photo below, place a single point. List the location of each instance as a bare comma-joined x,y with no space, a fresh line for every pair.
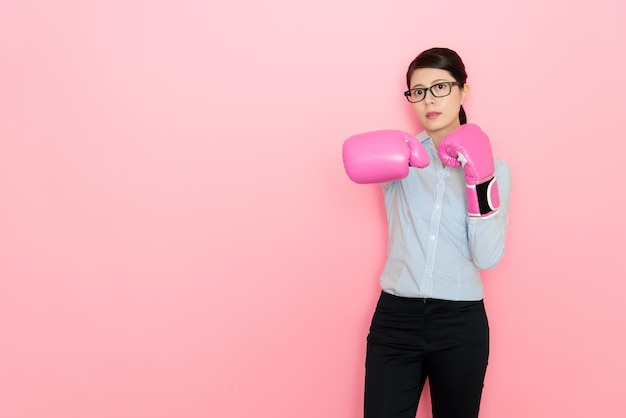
464,92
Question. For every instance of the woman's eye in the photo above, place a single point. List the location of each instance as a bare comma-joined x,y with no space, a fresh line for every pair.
418,92
440,86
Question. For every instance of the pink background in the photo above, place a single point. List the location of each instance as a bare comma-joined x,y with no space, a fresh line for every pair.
178,237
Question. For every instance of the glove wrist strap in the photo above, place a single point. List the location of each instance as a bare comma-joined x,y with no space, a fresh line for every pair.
483,200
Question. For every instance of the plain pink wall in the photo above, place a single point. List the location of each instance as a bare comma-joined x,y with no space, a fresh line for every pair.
178,237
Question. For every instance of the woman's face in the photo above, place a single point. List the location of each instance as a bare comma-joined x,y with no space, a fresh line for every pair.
438,115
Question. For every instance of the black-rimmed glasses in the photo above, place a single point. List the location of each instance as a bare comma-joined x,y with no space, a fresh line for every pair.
441,89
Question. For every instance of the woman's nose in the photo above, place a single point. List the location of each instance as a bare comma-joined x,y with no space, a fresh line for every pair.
429,97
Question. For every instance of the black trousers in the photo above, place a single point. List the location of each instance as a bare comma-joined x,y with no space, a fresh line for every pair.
411,339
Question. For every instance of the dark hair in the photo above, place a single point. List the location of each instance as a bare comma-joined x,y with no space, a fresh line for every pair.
444,59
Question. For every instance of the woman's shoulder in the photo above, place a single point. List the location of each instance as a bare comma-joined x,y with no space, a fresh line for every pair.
502,168
500,162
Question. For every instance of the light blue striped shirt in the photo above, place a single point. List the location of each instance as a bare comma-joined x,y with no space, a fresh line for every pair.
434,249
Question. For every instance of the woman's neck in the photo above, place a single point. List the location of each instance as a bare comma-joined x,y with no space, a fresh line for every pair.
439,134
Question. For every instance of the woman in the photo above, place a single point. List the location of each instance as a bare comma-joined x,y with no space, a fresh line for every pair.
446,200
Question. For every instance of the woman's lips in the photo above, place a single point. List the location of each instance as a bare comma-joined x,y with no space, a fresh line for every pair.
432,115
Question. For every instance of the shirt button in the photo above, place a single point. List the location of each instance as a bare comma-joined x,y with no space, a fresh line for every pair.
437,207
432,237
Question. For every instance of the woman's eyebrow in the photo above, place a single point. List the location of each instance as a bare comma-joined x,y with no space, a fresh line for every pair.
431,84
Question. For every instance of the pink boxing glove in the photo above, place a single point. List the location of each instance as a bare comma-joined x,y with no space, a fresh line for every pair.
380,156
469,146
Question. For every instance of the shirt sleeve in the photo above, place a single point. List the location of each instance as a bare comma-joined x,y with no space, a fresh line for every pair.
487,236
